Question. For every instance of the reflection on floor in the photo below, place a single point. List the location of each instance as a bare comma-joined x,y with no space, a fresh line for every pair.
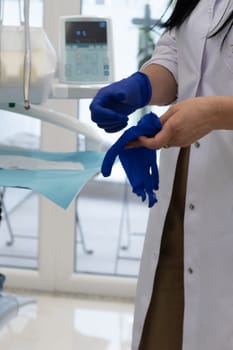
60,322
111,223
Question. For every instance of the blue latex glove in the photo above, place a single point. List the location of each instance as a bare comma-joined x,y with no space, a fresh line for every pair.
112,104
139,163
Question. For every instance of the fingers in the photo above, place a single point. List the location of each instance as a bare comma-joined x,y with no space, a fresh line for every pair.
113,126
164,138
158,141
167,115
161,138
108,162
112,129
134,144
109,120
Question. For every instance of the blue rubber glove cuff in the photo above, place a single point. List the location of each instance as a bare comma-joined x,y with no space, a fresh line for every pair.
139,163
112,104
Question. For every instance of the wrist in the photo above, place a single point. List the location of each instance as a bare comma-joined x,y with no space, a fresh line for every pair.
145,87
221,112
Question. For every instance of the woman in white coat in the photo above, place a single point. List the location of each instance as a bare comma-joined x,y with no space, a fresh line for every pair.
185,290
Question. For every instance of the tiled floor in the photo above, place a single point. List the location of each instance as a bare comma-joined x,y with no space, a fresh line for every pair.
66,323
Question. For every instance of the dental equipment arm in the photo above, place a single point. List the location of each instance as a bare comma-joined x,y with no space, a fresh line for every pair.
57,118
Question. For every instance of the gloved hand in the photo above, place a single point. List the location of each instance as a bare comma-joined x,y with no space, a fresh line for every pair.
112,104
139,163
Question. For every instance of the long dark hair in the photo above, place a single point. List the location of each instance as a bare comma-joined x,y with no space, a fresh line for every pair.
183,8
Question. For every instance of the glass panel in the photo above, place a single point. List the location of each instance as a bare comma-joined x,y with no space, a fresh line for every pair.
111,221
13,13
19,224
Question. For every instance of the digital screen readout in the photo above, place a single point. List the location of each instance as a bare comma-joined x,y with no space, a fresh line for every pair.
86,32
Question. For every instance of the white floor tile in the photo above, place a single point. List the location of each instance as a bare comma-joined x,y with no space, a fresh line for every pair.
65,323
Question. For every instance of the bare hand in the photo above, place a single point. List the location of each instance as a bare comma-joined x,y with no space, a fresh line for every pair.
183,124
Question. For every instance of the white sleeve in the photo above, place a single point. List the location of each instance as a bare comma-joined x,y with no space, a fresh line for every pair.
165,53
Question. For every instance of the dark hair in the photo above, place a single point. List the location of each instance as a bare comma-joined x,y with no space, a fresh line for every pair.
183,8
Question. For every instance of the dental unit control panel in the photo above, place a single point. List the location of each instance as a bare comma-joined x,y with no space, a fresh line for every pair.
85,50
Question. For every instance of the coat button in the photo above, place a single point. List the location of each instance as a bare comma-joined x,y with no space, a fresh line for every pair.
191,206
190,270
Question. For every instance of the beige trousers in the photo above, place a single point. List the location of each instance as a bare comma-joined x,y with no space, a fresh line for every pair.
163,326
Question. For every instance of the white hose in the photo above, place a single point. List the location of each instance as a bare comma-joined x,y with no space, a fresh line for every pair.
60,119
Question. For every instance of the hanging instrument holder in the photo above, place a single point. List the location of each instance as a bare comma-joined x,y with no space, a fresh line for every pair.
27,60
27,54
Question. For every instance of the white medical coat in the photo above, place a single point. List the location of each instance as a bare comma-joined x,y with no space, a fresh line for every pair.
201,67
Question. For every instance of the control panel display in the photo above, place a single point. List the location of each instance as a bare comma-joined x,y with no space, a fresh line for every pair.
85,51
